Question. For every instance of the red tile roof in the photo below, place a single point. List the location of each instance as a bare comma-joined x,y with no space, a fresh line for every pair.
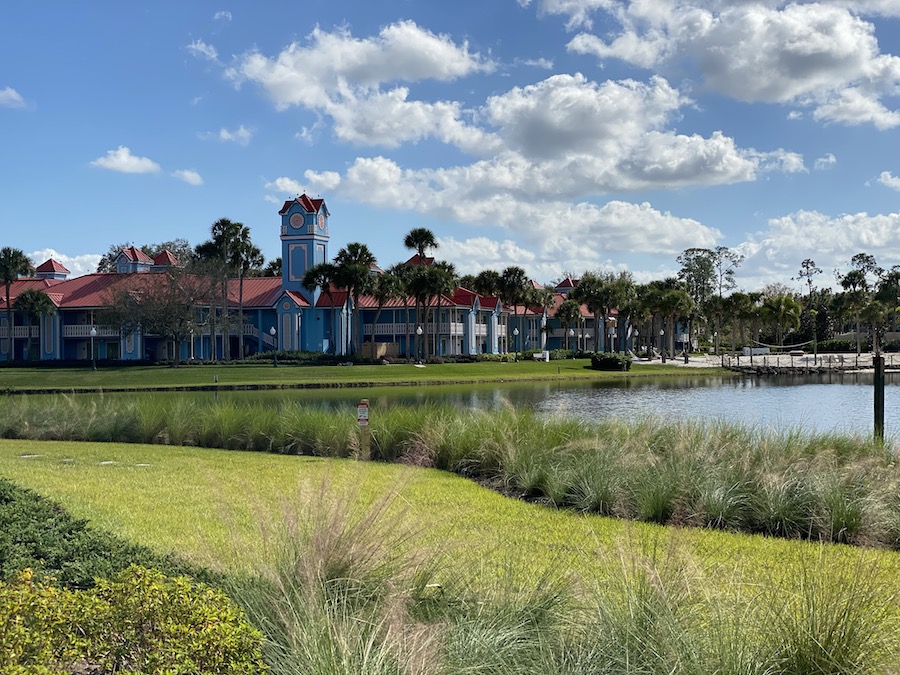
136,254
51,266
308,203
166,258
420,260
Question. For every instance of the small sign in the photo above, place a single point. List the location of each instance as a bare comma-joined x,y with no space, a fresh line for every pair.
362,413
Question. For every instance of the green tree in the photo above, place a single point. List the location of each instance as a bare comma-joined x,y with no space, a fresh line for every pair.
568,312
34,304
420,239
784,311
13,264
353,271
321,277
164,304
385,288
514,290
487,283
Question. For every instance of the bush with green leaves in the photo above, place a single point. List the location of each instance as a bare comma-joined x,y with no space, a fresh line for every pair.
610,361
141,621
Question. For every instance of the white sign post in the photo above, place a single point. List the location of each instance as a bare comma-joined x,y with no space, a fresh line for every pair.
365,434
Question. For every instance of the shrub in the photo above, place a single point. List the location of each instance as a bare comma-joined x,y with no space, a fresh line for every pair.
610,361
141,621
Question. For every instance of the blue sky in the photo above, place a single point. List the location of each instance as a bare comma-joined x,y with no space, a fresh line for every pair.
559,135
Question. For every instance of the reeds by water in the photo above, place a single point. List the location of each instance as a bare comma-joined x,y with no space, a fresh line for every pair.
793,484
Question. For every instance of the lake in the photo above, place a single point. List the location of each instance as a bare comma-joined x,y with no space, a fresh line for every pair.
835,402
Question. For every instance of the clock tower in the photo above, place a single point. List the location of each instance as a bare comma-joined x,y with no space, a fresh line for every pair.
304,242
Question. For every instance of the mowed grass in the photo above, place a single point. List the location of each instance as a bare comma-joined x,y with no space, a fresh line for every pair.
213,507
242,375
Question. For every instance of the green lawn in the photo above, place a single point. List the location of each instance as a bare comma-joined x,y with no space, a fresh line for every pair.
239,375
214,506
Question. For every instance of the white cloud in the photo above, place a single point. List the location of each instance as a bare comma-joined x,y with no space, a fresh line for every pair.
10,98
342,77
188,176
78,265
777,252
824,56
826,161
241,135
201,49
286,185
222,16
325,180
889,180
123,161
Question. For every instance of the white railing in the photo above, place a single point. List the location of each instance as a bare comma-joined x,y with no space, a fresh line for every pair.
84,331
21,332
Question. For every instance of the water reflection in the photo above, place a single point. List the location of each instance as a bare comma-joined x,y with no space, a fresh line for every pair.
839,402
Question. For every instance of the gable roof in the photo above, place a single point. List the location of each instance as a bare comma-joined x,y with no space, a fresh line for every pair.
420,260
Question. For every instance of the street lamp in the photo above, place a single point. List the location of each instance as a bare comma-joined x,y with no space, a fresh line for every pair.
93,356
571,335
273,332
516,335
662,343
192,344
419,332
637,343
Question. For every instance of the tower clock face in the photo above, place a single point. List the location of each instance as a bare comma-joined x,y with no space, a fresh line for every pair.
296,221
321,221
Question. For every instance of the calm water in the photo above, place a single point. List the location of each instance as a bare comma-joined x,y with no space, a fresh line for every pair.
820,403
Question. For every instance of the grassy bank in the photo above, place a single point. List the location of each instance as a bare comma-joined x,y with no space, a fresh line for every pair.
377,568
245,375
705,474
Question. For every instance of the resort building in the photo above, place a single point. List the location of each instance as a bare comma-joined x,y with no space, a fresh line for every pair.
273,313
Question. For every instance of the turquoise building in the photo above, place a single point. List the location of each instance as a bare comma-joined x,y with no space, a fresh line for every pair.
279,313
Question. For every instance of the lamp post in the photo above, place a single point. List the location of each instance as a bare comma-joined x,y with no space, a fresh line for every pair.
516,336
273,332
662,343
637,342
419,332
93,356
686,346
571,335
192,344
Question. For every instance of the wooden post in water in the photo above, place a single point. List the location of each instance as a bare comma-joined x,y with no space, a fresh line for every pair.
878,362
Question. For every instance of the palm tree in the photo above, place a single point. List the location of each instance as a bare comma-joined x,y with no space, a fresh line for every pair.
568,312
514,290
856,288
420,239
13,264
34,304
487,283
403,273
219,252
444,283
353,271
385,288
783,310
246,256
321,277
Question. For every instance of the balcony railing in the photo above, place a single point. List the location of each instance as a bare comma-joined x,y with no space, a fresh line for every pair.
84,331
21,332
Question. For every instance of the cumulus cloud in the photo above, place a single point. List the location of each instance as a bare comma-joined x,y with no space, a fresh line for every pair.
123,161
826,161
285,185
821,55
343,77
889,180
776,253
188,176
200,49
78,265
10,98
